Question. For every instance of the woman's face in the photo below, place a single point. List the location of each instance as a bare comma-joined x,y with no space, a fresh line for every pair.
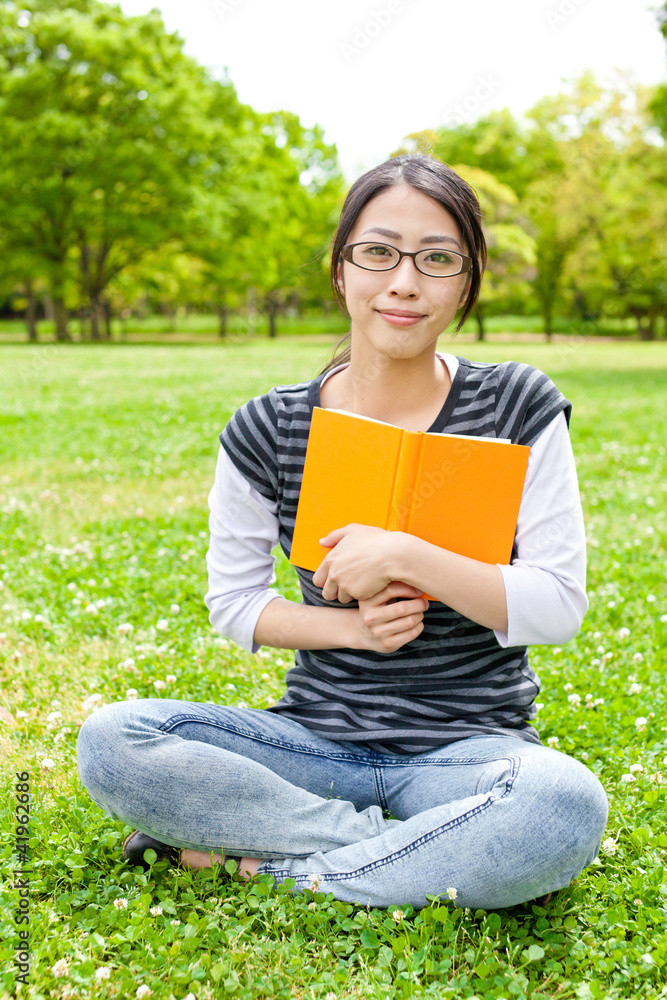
409,220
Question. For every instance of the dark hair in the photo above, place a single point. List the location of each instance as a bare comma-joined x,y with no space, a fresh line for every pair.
437,180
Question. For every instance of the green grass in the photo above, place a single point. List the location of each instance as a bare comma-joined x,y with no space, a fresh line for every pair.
106,459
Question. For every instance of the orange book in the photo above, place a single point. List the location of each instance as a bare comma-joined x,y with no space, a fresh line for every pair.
459,492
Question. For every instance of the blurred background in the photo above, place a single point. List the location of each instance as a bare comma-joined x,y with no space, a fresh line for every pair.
176,173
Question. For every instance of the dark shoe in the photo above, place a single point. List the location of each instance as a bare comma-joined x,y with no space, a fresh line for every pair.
138,842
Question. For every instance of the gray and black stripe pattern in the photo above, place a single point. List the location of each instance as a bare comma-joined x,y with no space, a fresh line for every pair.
453,680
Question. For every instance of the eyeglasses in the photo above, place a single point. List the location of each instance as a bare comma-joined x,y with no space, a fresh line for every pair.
436,262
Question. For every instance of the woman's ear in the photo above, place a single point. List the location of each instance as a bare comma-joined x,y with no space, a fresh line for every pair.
339,279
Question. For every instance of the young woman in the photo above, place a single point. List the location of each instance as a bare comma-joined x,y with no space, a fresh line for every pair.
401,761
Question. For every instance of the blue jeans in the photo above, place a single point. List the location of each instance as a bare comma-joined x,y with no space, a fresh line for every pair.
494,817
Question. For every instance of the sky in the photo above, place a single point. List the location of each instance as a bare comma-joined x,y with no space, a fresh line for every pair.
372,72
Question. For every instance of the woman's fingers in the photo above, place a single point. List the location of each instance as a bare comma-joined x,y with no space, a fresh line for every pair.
394,590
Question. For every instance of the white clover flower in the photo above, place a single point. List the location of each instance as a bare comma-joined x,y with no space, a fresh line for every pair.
174,923
159,685
47,763
638,657
120,904
131,694
574,699
589,699
398,915
627,779
596,662
162,624
61,968
175,608
651,598
103,972
641,722
567,687
155,911
170,678
600,649
635,689
583,755
191,996
125,628
91,609
635,768
556,650
53,720
609,846
598,701
21,714
314,881
552,741
312,905
328,996
127,664
623,633
143,991
452,893
657,777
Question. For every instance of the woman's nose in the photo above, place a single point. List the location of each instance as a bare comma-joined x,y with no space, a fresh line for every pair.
405,276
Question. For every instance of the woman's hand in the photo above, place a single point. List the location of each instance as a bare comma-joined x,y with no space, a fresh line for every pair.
358,566
386,623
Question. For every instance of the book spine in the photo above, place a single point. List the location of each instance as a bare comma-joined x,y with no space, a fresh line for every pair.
409,461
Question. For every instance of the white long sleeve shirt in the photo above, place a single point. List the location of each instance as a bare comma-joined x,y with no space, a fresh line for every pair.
545,585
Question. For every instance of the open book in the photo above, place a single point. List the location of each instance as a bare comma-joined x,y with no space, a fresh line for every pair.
459,492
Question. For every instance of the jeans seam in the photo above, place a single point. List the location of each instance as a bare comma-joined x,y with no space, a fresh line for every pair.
304,748
515,763
258,738
380,789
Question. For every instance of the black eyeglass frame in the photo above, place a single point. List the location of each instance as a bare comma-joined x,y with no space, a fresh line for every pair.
466,261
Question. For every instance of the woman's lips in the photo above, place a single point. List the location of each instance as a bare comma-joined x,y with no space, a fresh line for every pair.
396,319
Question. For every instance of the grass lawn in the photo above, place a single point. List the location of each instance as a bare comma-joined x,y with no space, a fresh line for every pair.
106,458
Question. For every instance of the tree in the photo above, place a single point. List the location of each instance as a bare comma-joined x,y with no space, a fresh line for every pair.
104,126
511,250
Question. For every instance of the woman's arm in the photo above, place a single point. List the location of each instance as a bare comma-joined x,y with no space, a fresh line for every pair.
242,604
539,598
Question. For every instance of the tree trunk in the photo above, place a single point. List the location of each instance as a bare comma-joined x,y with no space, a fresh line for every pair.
31,313
108,315
61,317
481,332
272,309
645,324
94,321
223,314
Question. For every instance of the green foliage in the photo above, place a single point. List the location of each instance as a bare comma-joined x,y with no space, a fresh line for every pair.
125,169
107,455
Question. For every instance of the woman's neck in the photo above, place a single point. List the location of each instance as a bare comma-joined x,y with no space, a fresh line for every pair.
408,392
